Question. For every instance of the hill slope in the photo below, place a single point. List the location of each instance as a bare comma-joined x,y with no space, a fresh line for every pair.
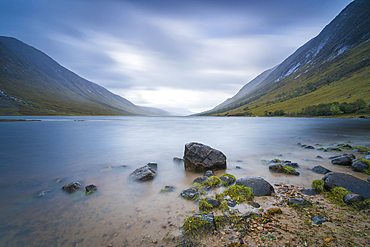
31,83
332,67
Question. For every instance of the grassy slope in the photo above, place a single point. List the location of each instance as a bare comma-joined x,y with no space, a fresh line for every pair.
357,84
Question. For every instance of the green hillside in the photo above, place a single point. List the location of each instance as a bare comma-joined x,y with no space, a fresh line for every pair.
328,73
31,83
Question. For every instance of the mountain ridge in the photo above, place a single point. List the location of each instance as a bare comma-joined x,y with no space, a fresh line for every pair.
43,86
302,72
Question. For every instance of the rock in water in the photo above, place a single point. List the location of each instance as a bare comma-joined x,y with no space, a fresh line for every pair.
143,174
190,193
342,161
278,168
91,188
353,184
71,187
320,170
259,186
199,157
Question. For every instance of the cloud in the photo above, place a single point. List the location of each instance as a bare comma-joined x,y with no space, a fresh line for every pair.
185,54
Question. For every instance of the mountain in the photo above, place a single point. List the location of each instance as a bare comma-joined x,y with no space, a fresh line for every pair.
332,67
31,83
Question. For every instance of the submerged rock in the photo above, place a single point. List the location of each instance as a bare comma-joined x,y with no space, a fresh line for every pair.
143,174
352,198
228,180
178,160
43,193
320,169
153,166
350,183
278,168
200,179
91,188
259,186
71,187
199,157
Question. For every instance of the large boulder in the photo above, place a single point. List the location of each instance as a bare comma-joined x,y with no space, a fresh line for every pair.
320,169
199,157
359,166
342,161
143,174
351,183
259,186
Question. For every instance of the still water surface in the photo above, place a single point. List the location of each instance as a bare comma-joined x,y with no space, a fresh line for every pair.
105,150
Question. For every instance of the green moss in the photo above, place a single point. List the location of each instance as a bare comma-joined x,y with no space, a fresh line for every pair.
239,193
318,184
361,205
199,187
367,171
288,169
277,160
337,195
229,175
361,149
224,207
212,181
196,227
204,206
364,160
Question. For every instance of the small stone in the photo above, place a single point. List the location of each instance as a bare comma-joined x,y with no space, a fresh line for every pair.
155,241
319,220
91,188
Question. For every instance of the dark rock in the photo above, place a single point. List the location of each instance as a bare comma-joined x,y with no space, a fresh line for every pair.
319,157
295,173
231,203
345,145
190,193
200,179
352,198
43,193
299,202
299,144
351,156
251,215
274,161
152,165
168,188
303,145
213,202
320,169
278,168
333,157
91,187
309,147
199,157
228,180
259,186
319,220
293,165
342,161
177,160
254,204
350,183
309,192
359,166
334,149
209,174
71,187
238,167
143,174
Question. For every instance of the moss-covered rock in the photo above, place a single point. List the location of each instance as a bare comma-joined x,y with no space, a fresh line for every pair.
212,181
239,193
318,184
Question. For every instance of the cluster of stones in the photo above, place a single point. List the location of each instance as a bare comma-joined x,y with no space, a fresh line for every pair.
283,166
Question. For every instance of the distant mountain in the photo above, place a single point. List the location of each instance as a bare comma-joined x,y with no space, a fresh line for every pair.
332,67
31,83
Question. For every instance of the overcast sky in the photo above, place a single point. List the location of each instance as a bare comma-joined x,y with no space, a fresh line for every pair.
191,54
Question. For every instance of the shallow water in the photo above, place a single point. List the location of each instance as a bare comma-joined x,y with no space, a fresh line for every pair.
105,150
